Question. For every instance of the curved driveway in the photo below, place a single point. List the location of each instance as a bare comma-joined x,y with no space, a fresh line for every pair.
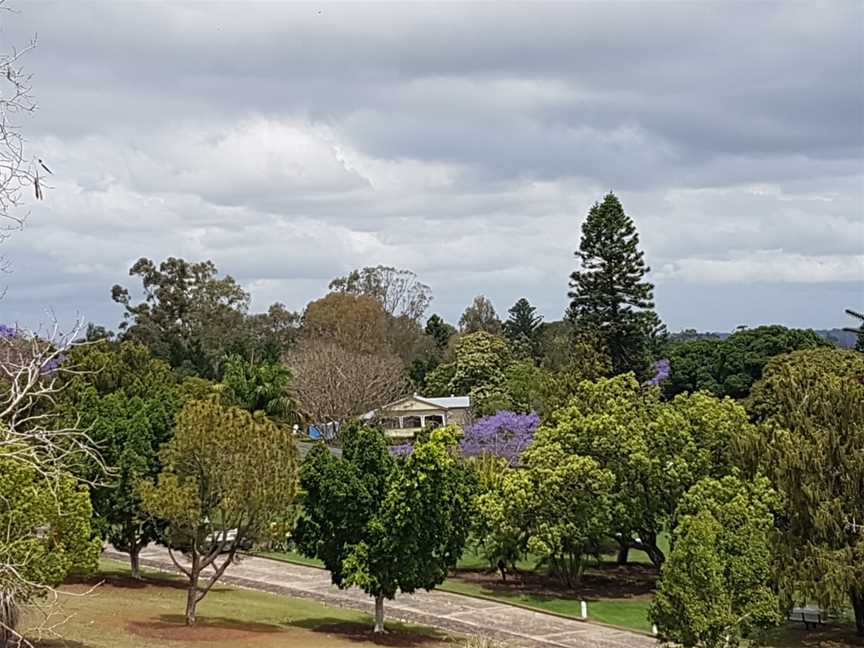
438,609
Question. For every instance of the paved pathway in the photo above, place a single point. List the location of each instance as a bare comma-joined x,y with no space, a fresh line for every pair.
438,609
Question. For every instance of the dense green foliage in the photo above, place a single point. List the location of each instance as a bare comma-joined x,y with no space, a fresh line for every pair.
264,387
811,447
522,329
226,476
440,331
192,319
381,524
496,532
655,450
127,400
477,368
46,529
562,501
609,295
730,367
717,589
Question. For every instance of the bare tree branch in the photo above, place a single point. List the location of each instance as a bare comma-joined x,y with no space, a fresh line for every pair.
334,384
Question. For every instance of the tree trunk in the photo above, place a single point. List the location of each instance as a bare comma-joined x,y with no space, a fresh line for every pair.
649,540
623,553
135,561
191,602
192,591
858,608
502,567
379,613
657,557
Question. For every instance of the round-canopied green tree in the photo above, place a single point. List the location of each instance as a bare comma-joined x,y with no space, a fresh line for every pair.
730,367
127,400
381,524
655,450
46,535
811,447
226,476
477,368
561,503
717,587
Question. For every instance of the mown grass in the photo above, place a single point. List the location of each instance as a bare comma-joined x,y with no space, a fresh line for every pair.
626,613
123,613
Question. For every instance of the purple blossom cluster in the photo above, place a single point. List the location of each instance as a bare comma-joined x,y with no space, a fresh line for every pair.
662,369
503,434
402,450
52,364
8,331
17,342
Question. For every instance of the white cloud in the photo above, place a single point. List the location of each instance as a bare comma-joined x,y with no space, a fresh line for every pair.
290,146
766,266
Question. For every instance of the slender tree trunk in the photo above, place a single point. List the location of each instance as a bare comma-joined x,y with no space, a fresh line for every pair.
502,567
191,601
858,608
192,591
379,613
135,560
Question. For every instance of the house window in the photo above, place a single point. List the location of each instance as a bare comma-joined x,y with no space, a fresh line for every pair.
434,421
409,422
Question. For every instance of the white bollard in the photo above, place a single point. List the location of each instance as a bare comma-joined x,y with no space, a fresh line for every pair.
584,610
654,629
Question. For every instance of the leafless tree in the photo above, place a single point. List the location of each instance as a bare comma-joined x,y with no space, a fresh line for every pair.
480,316
32,375
31,371
334,384
19,173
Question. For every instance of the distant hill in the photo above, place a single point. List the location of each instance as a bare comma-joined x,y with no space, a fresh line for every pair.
844,339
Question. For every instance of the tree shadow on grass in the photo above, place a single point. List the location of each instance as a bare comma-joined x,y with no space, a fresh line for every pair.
172,627
605,583
397,635
832,636
124,581
221,622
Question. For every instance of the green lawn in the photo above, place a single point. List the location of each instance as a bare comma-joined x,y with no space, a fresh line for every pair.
627,613
471,558
122,613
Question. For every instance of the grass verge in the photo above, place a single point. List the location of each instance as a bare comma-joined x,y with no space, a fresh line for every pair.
125,613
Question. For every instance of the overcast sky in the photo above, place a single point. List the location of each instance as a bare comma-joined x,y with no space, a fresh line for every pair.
291,143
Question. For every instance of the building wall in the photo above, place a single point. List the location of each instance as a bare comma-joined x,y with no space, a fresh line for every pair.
417,411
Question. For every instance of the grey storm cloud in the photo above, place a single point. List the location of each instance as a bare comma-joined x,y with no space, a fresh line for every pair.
292,142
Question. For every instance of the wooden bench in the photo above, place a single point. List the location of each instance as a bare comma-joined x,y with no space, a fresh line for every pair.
809,616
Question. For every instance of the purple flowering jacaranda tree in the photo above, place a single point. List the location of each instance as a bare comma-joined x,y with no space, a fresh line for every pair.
503,434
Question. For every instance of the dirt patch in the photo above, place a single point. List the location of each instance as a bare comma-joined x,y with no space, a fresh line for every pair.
613,581
171,628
